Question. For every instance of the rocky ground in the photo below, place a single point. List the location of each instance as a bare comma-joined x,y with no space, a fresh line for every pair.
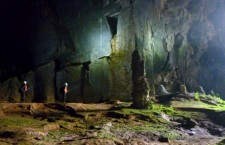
186,122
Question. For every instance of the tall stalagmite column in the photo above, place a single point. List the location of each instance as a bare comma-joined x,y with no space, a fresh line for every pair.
140,91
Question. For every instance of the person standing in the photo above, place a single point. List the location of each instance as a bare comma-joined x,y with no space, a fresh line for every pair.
65,92
23,91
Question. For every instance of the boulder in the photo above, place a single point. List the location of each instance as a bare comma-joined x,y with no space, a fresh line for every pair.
163,90
183,89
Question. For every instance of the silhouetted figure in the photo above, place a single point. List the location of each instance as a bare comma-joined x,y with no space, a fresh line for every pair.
65,92
23,91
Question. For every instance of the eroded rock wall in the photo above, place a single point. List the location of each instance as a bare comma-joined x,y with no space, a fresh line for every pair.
180,42
90,45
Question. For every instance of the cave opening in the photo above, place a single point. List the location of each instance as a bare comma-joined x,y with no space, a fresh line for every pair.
112,21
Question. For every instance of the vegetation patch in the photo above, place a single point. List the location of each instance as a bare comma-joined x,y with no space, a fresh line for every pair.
55,136
105,135
222,142
155,123
17,121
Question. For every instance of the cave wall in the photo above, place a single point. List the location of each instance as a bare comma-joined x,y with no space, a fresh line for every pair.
75,42
181,42
69,42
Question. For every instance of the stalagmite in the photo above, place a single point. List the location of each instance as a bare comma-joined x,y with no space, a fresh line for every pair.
140,92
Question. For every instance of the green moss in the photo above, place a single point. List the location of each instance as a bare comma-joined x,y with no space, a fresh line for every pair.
216,98
56,135
155,122
16,121
163,129
197,96
17,125
173,135
105,135
222,142
154,109
203,95
158,108
199,105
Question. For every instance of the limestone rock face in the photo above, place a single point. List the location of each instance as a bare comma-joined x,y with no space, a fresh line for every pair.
88,82
100,80
44,78
179,43
185,37
71,75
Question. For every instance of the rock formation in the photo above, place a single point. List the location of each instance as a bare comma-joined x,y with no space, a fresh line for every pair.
163,91
201,90
53,40
140,91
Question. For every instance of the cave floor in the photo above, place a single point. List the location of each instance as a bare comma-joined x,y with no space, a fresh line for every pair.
186,122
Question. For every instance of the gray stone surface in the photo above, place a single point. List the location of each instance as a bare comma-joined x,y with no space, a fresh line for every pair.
100,80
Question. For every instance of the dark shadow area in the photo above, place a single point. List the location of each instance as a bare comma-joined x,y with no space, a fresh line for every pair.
16,30
113,21
39,90
215,117
166,99
7,134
